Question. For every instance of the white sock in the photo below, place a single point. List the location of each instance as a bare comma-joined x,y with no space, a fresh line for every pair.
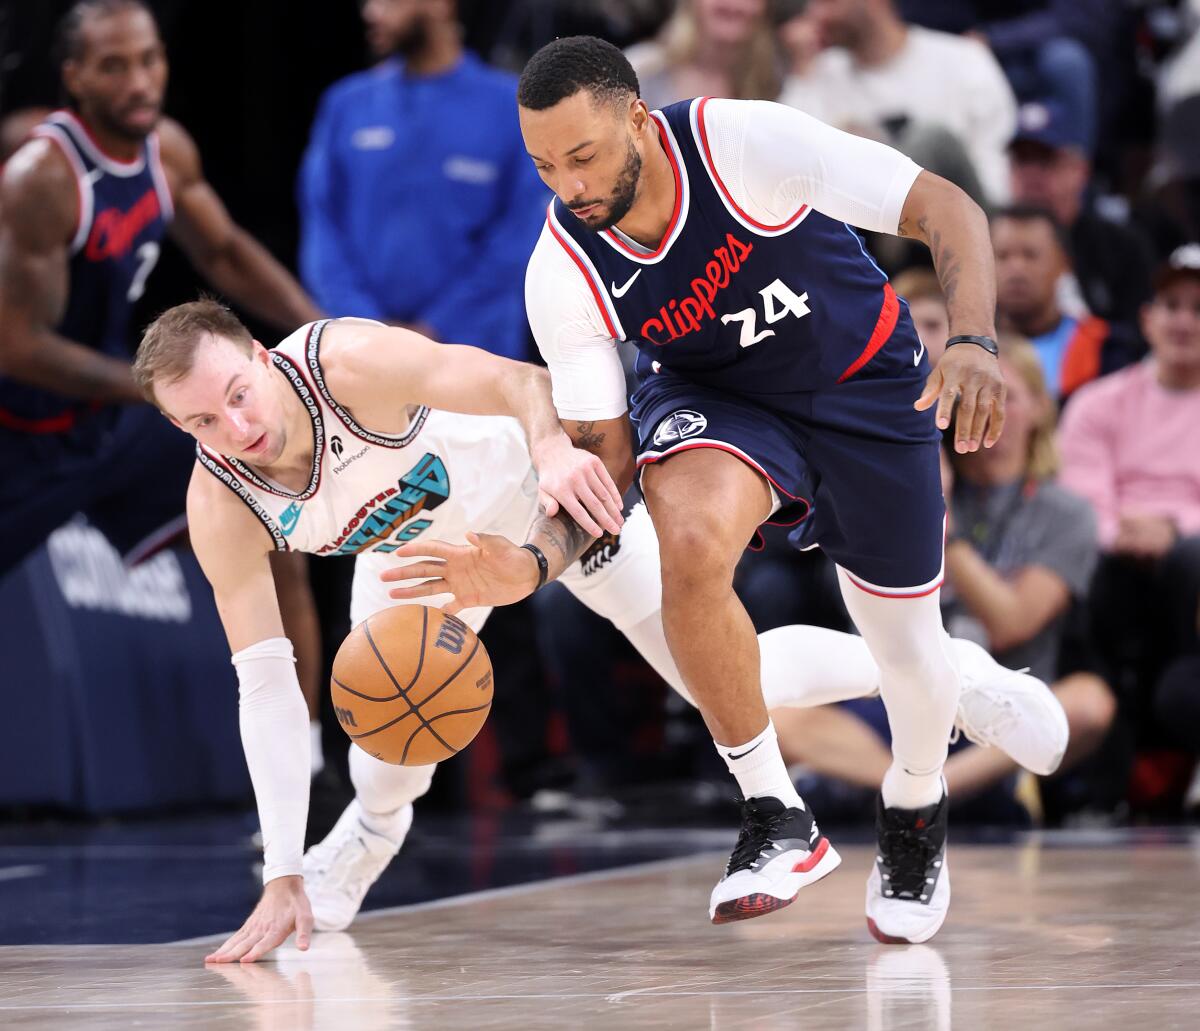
758,768
318,755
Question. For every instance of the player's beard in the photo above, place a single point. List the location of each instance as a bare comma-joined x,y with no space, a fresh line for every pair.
624,193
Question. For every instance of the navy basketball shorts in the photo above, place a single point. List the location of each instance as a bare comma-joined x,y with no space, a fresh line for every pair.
854,467
126,468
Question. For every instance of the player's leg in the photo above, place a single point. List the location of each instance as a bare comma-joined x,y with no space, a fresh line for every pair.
706,505
340,869
808,666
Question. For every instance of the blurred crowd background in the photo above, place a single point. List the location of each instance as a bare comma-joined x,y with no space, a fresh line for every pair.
373,148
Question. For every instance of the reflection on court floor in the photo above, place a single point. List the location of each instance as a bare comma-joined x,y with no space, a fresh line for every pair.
1096,931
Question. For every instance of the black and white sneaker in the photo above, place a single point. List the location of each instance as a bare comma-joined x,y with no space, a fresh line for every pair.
778,852
908,891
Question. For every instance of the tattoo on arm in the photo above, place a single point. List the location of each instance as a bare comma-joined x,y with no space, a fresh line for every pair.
588,439
561,539
946,260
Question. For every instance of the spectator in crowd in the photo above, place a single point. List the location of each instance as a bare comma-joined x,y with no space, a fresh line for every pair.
1048,48
1051,169
1031,260
1019,553
928,93
710,48
407,218
1131,447
919,286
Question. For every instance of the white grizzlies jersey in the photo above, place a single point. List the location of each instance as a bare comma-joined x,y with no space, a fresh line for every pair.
371,492
448,473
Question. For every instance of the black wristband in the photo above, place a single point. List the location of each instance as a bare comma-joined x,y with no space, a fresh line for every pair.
987,343
543,565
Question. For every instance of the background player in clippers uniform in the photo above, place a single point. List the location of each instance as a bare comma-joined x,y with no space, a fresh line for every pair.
84,206
780,378
310,447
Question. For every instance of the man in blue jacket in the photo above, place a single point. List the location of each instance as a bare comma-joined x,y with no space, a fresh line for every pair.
418,203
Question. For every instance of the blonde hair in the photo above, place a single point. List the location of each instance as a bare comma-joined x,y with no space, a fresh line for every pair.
918,284
758,74
1041,462
168,347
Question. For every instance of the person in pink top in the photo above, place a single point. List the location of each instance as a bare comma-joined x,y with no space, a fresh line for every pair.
1130,444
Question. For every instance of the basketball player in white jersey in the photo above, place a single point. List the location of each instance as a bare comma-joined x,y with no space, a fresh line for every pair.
312,447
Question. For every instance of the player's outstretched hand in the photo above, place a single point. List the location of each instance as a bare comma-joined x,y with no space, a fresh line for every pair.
490,570
970,375
577,481
282,909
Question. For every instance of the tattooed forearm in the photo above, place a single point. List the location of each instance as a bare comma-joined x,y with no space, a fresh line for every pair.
587,438
561,539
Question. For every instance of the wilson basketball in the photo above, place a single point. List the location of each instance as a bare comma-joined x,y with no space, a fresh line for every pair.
412,685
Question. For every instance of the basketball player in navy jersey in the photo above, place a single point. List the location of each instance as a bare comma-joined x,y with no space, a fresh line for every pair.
84,206
780,379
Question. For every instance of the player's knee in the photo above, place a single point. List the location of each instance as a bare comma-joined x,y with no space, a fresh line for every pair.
697,553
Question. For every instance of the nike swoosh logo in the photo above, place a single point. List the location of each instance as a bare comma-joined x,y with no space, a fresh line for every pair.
742,755
917,356
623,289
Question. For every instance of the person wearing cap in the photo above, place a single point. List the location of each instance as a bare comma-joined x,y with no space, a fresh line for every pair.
1032,261
1051,168
1130,445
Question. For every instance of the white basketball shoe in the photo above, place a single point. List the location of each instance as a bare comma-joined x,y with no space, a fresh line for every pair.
908,890
1009,710
339,871
778,852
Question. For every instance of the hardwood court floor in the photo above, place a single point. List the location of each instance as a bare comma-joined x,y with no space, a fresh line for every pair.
1050,933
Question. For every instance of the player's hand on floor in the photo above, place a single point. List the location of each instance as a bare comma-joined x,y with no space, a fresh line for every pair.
578,482
282,909
970,375
490,570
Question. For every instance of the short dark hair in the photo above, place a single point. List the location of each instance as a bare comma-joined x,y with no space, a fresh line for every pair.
1036,213
565,66
68,36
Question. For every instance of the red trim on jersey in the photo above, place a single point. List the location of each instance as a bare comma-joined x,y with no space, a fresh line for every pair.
666,146
889,313
712,169
52,424
885,594
612,331
124,163
72,160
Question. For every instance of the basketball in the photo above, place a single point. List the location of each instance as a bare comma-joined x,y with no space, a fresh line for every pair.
412,685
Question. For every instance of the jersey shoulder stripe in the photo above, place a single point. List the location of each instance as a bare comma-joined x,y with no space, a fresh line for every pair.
226,475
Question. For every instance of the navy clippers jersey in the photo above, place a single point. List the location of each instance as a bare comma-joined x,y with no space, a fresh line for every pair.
124,210
726,301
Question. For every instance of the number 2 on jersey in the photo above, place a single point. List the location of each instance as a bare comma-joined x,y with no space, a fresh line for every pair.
778,302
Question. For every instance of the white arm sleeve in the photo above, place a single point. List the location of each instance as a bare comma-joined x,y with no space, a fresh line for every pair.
585,369
774,158
275,738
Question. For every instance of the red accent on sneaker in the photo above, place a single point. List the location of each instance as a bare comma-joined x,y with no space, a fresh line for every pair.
920,822
814,857
884,939
747,907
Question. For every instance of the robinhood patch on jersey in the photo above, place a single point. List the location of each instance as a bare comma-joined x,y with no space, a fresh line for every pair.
389,519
